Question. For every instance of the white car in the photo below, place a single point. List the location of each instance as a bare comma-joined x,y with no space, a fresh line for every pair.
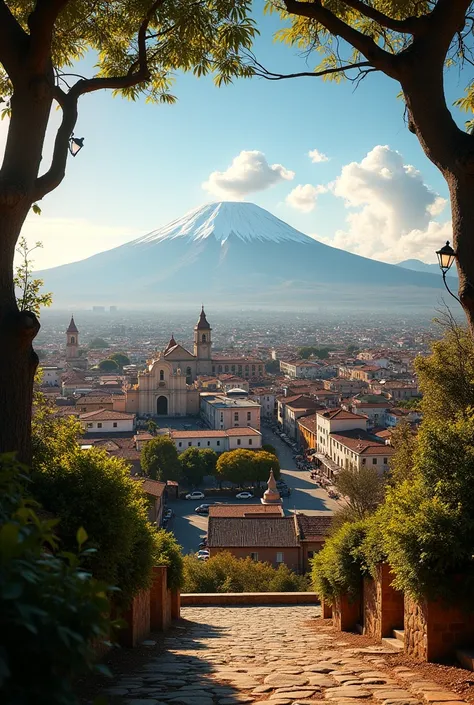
244,495
203,555
195,495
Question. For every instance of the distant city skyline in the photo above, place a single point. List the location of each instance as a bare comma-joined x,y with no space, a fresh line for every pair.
337,164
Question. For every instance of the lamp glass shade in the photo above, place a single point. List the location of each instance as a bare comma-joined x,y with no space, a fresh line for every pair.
446,257
75,145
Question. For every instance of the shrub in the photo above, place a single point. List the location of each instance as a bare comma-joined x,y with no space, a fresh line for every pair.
168,552
226,573
159,459
93,490
108,365
338,568
51,610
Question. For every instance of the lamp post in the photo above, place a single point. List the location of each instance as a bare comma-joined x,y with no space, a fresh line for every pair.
75,144
446,256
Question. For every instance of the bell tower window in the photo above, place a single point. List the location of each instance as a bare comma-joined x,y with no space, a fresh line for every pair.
162,375
73,340
203,339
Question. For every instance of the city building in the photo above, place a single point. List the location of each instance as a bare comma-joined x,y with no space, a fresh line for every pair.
220,441
312,533
105,421
74,355
220,411
300,369
290,409
51,376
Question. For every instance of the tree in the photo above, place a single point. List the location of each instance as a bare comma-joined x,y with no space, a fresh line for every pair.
401,463
120,358
108,366
269,448
29,296
236,466
262,464
412,42
272,367
193,466
159,459
98,344
310,350
152,427
138,48
363,489
210,461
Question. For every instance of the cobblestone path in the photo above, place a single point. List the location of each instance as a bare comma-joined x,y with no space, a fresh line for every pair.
228,655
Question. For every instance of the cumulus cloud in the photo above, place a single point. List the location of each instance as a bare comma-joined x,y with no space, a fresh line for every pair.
249,172
304,198
391,209
316,156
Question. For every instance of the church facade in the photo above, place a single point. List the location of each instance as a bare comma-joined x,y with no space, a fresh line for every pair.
166,387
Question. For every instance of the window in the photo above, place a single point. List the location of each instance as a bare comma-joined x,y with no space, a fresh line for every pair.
99,425
115,424
188,371
279,558
209,443
249,415
218,443
203,338
250,441
238,441
180,445
90,425
199,444
310,554
162,375
190,443
254,556
73,340
236,416
374,461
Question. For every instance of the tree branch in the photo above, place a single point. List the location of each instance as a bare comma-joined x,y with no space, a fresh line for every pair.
378,57
447,18
410,25
41,25
260,70
13,42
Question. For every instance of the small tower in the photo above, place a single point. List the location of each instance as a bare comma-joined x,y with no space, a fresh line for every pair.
271,494
72,341
203,343
171,344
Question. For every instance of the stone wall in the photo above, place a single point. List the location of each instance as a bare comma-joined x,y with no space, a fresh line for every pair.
346,612
382,604
138,620
249,598
160,600
434,630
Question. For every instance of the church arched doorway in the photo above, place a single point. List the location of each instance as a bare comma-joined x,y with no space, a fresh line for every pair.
162,406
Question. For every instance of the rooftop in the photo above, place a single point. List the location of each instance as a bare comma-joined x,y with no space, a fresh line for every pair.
106,415
223,402
313,527
339,415
243,510
360,441
235,532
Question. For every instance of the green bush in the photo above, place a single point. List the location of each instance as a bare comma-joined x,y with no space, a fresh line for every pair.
338,568
159,459
226,573
93,490
168,552
51,610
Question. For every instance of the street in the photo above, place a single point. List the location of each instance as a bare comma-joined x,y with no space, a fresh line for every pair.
306,496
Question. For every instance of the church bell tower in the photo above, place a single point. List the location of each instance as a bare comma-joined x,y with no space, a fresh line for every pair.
203,344
72,342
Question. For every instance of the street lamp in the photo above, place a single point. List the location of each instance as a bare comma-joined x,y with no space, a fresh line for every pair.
75,145
446,256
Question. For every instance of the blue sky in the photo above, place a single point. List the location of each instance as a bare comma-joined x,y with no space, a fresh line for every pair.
143,165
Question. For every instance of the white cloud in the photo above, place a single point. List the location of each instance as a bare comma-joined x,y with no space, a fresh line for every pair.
69,239
391,209
316,156
304,198
248,172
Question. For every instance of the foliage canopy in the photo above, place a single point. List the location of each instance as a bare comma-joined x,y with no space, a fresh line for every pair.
159,459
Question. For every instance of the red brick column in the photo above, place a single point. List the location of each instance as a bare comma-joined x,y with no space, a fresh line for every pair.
160,612
435,629
382,604
326,610
346,612
138,621
175,604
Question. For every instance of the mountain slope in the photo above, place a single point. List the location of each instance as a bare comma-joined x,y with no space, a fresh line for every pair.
416,265
237,254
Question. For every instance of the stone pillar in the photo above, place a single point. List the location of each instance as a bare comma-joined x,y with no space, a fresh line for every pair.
382,604
326,610
435,629
175,604
346,612
138,621
160,610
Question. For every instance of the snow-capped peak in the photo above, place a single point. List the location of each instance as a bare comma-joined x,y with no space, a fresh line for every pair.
224,219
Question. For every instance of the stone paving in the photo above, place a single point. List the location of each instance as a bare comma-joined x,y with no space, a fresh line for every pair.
230,655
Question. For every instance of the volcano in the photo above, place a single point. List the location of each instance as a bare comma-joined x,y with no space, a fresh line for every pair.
237,254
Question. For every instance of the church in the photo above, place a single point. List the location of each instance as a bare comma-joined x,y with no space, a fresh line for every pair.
166,387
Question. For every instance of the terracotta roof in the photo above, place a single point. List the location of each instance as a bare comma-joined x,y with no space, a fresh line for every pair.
236,360
106,415
313,527
210,433
308,422
172,343
94,399
340,415
72,326
243,510
252,532
152,487
300,401
244,431
361,442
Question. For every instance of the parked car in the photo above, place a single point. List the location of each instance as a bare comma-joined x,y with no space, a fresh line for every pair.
244,495
203,554
195,495
202,509
168,514
203,544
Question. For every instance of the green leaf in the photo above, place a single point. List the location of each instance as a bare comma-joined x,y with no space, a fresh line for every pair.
81,536
36,209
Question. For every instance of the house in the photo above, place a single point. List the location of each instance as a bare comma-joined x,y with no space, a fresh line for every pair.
356,449
290,409
345,387
156,494
51,376
221,411
220,440
373,407
267,400
307,431
336,421
367,373
106,421
94,402
312,532
300,369
272,539
398,390
394,415
245,510
117,447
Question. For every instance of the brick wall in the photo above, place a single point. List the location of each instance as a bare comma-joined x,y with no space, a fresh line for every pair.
382,604
346,613
268,555
249,598
434,629
138,620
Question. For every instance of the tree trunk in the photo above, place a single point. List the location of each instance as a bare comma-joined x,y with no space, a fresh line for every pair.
461,188
18,361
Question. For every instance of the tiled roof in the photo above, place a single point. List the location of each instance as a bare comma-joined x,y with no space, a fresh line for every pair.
244,431
360,441
94,399
106,415
249,532
243,510
313,527
152,487
308,422
210,433
340,415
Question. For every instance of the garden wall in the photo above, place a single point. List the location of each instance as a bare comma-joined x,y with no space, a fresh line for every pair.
382,605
